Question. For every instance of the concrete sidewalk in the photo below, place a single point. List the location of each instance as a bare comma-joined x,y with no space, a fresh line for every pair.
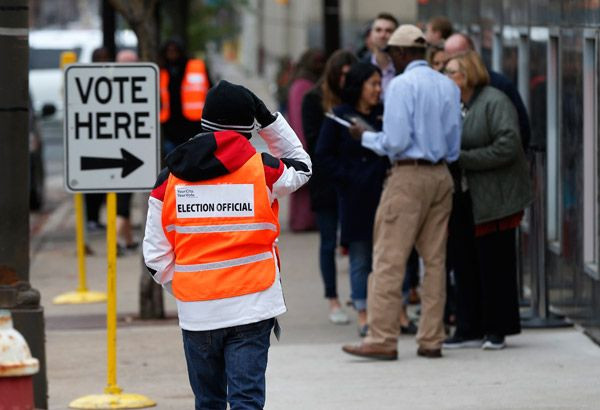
550,369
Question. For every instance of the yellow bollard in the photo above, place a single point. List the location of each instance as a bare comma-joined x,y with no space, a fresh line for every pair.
82,294
113,397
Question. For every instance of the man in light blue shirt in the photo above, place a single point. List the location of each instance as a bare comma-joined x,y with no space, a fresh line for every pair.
421,134
421,119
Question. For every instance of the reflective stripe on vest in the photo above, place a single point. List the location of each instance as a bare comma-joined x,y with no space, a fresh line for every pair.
194,88
223,232
222,228
224,264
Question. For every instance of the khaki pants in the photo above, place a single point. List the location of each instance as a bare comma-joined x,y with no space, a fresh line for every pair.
414,210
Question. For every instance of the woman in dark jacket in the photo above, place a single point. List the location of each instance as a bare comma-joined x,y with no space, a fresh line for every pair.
494,190
357,173
321,98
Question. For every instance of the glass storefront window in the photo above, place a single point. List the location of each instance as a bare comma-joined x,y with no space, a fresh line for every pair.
538,81
553,146
571,144
590,154
510,53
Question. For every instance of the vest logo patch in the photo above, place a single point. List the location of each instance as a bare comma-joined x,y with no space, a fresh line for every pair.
195,78
214,201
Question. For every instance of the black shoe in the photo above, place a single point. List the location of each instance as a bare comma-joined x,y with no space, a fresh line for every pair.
410,329
494,342
362,330
429,353
459,342
132,246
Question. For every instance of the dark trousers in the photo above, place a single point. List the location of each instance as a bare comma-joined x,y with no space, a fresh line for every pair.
327,221
124,204
228,365
485,270
93,202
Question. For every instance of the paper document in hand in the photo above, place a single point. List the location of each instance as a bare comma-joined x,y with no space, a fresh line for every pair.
356,120
338,119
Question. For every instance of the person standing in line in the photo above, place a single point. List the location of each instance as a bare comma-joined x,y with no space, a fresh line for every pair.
308,70
365,46
495,190
184,83
323,200
460,43
210,240
438,29
436,57
357,174
421,134
381,29
283,79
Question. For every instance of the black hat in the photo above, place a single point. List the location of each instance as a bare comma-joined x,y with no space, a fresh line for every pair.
229,107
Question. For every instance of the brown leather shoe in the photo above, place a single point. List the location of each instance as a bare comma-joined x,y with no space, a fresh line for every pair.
371,351
429,353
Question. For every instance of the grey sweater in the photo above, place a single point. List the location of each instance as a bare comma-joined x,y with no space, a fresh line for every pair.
492,157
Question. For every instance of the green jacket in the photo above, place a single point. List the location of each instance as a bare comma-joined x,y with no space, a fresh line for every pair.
492,157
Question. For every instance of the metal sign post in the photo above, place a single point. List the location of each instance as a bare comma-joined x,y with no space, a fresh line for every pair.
111,145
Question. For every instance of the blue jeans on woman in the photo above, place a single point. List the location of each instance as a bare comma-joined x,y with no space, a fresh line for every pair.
228,365
361,258
327,221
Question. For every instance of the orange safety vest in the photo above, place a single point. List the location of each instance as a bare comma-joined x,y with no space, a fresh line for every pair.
223,232
194,87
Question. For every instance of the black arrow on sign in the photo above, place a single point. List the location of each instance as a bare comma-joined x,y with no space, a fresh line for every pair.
128,162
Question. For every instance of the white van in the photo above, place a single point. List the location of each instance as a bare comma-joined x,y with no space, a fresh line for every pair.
45,48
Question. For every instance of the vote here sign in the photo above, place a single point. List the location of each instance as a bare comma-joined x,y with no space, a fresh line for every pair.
111,127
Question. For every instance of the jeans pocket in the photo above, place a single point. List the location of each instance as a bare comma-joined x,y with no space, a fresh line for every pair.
390,212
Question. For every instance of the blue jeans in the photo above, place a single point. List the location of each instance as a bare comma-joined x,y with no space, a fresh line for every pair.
228,365
361,258
327,221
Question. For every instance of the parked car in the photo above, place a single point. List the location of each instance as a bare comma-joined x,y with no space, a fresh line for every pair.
46,89
45,49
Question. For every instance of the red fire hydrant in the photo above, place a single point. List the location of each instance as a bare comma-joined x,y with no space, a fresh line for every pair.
17,367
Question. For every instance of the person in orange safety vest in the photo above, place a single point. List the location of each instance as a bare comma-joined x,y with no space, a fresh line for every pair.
184,83
210,240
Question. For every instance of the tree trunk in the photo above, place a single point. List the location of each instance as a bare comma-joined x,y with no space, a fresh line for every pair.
141,16
178,12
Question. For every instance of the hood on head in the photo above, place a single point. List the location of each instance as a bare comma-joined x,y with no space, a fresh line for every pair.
209,155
